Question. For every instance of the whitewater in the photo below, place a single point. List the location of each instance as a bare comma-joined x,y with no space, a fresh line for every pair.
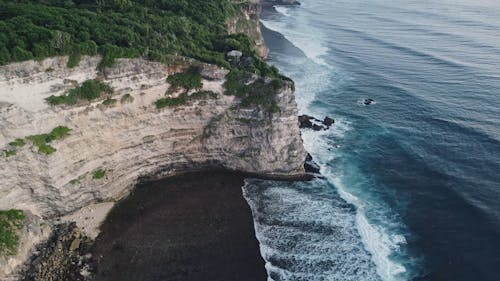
409,187
352,247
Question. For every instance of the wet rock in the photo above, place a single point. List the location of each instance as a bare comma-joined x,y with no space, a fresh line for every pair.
310,122
368,101
305,121
317,127
61,257
328,121
311,167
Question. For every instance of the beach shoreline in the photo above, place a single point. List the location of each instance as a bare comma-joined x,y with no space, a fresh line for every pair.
194,226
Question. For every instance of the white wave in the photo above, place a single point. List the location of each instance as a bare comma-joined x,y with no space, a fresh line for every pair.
379,241
307,233
308,43
282,10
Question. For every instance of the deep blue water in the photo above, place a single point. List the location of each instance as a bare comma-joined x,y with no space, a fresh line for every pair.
412,182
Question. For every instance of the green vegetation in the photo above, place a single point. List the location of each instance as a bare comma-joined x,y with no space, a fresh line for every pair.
184,98
109,102
259,92
18,143
156,30
41,141
33,29
169,102
204,95
74,60
190,79
99,174
9,153
10,222
89,90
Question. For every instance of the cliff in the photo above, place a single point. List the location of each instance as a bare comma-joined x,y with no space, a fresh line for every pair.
122,138
247,22
133,138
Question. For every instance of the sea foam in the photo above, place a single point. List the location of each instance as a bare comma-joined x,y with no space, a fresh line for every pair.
380,241
282,10
306,42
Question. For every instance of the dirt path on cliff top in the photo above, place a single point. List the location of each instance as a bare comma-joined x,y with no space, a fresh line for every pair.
192,227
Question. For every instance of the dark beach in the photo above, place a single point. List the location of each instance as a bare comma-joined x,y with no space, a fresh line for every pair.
195,226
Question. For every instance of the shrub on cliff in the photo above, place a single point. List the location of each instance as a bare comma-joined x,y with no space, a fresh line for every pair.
10,223
259,92
99,174
9,153
41,141
190,79
167,102
89,90
18,143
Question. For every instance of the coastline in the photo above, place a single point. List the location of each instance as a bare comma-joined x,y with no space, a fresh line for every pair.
90,217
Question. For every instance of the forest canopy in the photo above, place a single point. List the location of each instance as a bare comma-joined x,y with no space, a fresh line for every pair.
153,29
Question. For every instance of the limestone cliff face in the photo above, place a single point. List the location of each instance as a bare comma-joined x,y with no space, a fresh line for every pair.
247,22
133,138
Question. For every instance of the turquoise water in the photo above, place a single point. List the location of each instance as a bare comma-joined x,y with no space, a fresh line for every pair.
411,188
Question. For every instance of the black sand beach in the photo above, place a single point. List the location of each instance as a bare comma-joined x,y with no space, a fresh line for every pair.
195,226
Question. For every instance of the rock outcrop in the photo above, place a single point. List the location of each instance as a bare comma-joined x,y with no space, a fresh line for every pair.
131,139
247,22
310,122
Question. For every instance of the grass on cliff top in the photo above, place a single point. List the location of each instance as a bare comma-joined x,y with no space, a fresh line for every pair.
10,222
89,90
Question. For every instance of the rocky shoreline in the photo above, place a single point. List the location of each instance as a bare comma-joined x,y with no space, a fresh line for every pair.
64,256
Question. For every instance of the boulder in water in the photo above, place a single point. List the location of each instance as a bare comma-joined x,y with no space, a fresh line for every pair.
328,121
310,122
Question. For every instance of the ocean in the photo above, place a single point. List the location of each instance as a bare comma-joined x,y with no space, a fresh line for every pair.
411,186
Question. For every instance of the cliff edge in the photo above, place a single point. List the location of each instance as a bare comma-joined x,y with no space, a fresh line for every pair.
72,160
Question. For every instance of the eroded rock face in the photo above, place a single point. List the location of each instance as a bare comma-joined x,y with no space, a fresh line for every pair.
247,22
131,139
